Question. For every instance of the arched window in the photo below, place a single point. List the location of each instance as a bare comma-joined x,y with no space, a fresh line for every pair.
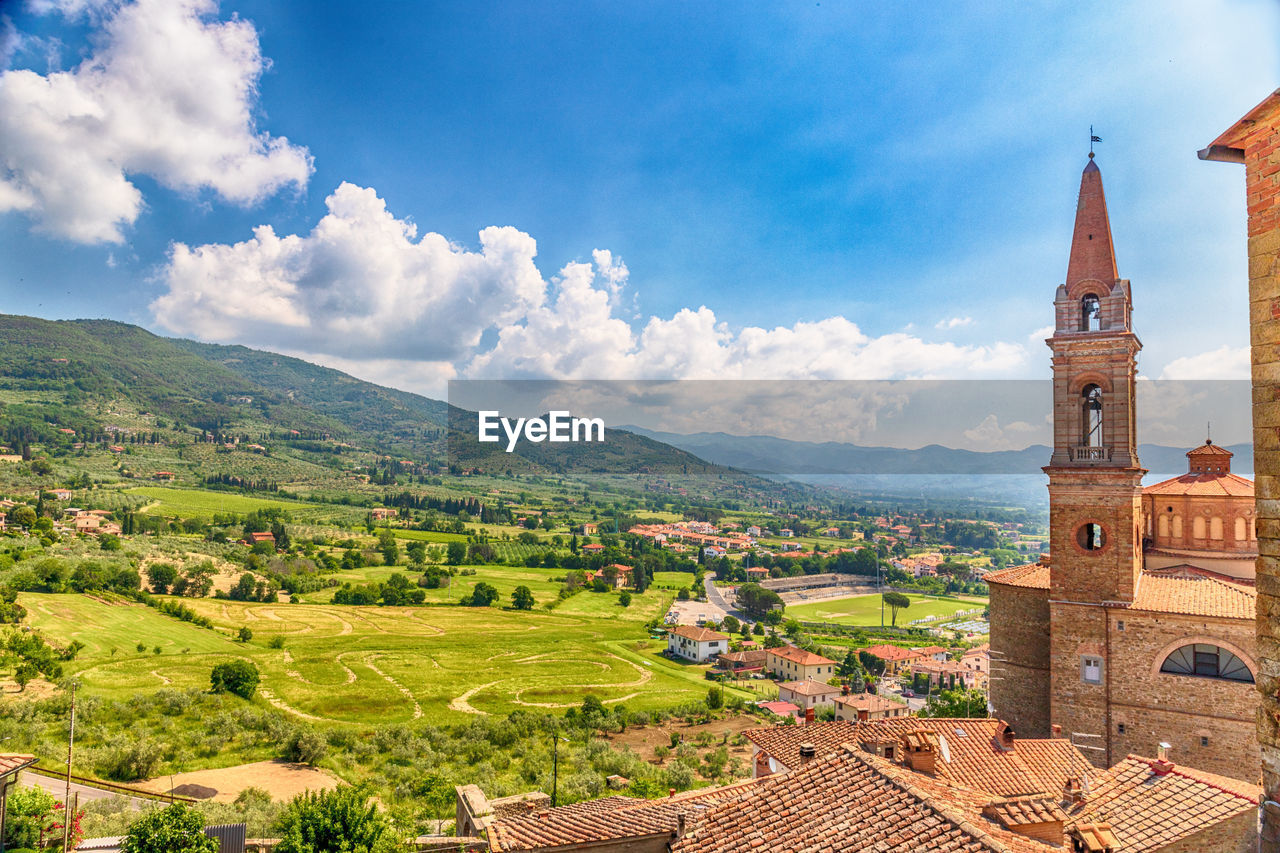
1164,527
1177,527
1091,537
1091,411
1197,527
1207,661
1242,530
1215,528
1090,313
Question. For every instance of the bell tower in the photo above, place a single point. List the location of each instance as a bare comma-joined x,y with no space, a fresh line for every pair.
1095,479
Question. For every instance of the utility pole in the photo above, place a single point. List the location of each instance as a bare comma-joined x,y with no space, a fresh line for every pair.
66,797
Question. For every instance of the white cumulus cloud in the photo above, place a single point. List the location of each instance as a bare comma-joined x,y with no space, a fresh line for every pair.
363,293
954,323
169,92
1225,362
360,285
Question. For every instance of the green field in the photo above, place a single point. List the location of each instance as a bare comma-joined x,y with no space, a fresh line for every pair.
378,665
196,503
865,609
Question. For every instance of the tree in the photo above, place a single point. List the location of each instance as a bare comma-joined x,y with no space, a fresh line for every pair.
417,551
715,697
522,598
23,516
24,674
896,601
455,553
758,602
238,676
683,594
624,598
731,624
387,545
960,702
482,596
851,666
162,576
175,829
244,635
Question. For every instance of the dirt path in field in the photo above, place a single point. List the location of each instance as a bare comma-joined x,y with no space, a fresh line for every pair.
163,680
645,676
463,704
417,709
351,674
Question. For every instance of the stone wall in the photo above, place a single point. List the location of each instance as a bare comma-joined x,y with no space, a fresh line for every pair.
1020,658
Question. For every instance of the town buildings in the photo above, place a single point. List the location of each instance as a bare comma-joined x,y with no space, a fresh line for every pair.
696,644
1140,627
792,664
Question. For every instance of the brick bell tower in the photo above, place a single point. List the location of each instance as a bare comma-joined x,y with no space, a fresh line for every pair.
1095,480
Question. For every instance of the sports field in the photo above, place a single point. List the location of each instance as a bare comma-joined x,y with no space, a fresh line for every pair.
865,609
368,665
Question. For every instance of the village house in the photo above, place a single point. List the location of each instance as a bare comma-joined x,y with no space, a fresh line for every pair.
865,707
786,533
946,675
937,653
896,659
792,664
753,531
696,644
808,694
779,708
740,664
586,529
61,494
593,548
381,513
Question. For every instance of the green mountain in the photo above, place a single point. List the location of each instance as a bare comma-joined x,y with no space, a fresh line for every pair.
71,374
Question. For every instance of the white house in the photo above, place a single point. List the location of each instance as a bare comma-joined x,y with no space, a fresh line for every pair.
696,644
786,533
808,694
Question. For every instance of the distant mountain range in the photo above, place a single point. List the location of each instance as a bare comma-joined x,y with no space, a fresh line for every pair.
771,456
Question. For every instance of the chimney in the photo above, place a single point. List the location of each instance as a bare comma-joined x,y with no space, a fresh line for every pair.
1072,793
1004,737
808,716
1162,752
807,752
1161,766
680,825
1056,729
844,688
863,715
671,792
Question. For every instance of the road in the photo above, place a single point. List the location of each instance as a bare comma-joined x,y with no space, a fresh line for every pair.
58,788
726,605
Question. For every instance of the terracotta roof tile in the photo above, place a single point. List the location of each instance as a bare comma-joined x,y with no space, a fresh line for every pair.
799,656
1149,810
851,802
809,688
871,702
1187,589
893,653
1033,766
1203,485
1030,576
698,635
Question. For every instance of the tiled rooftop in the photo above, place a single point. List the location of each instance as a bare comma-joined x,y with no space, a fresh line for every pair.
696,634
1186,589
799,656
1148,810
851,802
971,758
1030,576
809,688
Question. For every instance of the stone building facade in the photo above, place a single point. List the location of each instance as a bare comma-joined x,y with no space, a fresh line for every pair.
1139,627
1255,141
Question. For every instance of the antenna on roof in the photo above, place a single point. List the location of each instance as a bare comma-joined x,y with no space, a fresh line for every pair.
1208,432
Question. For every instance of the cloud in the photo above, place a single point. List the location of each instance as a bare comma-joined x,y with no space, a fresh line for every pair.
1225,362
363,293
169,93
954,323
359,286
989,435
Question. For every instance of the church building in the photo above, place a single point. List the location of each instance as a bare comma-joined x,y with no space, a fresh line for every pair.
1138,628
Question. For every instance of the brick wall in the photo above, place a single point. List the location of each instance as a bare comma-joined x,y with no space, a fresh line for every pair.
1262,184
1020,658
1079,707
1181,710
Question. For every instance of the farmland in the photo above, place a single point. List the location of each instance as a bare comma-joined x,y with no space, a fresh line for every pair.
865,609
364,665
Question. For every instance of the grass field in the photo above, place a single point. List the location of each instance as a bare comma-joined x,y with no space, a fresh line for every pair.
865,609
378,665
195,503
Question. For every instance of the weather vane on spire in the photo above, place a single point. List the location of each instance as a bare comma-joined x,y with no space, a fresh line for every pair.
1092,139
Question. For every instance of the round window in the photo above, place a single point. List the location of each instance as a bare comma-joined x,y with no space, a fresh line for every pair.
1091,537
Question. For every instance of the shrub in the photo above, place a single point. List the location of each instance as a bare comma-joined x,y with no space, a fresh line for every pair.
175,829
131,761
238,676
277,642
244,635
339,820
305,746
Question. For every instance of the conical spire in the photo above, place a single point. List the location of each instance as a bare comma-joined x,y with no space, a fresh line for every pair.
1092,255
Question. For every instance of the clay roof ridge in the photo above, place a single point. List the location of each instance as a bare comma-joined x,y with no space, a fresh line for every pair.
1203,777
945,810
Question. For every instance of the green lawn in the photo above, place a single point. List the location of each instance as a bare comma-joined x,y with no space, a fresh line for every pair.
378,665
193,503
865,609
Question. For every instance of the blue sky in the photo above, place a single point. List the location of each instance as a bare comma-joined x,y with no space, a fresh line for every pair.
844,190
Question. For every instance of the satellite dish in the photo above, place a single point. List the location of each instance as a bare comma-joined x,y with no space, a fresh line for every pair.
946,750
